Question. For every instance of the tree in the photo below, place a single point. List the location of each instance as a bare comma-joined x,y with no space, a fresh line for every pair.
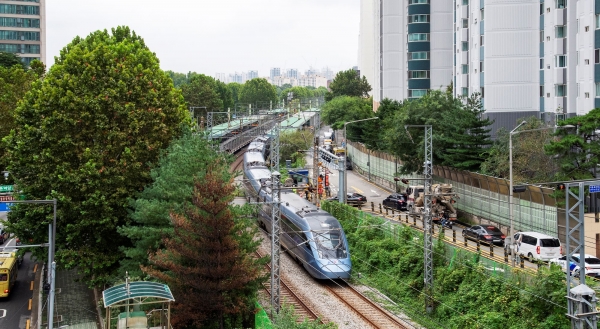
87,135
186,159
346,108
201,91
530,162
8,60
235,91
178,78
578,150
225,94
258,91
348,83
469,135
293,145
208,262
15,82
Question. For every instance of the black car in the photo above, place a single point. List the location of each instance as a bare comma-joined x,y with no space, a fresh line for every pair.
396,201
354,199
485,233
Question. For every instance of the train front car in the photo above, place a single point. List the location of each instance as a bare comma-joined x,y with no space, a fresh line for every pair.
315,238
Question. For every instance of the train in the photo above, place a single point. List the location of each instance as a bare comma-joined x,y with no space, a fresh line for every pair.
312,236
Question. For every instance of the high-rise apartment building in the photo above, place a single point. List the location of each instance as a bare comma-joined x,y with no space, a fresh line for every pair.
292,73
23,29
251,75
275,72
526,58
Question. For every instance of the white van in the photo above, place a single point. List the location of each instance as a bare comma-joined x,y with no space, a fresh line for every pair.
535,245
412,193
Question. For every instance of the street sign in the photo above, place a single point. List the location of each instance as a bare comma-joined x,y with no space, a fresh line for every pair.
594,188
6,188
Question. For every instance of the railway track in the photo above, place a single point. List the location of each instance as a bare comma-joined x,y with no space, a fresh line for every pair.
287,295
238,163
365,308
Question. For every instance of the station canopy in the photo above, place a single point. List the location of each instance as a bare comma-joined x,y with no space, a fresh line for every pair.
139,289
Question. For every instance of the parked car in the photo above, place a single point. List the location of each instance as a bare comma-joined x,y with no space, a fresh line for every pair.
592,265
535,245
396,201
485,233
3,235
352,199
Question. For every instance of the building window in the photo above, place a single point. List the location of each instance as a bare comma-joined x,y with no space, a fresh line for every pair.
20,35
587,95
541,91
413,37
481,66
418,55
597,56
560,90
465,2
548,38
414,2
19,22
416,93
548,9
561,31
541,63
464,91
481,40
418,19
465,69
465,23
597,89
586,61
542,36
19,10
482,92
547,95
542,8
465,45
561,4
481,14
587,28
418,74
561,61
598,21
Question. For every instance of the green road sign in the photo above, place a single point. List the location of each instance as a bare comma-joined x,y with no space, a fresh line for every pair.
6,188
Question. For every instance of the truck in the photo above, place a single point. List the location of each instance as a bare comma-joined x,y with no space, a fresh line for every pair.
442,202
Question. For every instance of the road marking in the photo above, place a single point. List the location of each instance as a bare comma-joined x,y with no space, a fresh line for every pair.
31,286
35,268
29,308
2,313
357,190
375,192
27,323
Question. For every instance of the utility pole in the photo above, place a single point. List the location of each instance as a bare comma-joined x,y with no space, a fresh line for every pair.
276,221
316,168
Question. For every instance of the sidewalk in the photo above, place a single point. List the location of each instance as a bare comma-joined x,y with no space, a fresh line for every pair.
74,302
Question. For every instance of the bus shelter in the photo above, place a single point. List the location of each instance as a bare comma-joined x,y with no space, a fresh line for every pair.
127,305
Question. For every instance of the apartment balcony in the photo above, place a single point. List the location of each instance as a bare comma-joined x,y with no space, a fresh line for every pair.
560,46
464,34
560,102
560,75
464,57
560,16
464,80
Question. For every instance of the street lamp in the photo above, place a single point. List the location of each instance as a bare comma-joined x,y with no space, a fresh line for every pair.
511,187
346,155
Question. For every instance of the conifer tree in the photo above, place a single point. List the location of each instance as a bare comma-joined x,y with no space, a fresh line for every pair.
208,260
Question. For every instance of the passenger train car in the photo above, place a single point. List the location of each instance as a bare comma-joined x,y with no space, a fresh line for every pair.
312,236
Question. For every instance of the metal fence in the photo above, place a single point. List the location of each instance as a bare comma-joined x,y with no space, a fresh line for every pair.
484,197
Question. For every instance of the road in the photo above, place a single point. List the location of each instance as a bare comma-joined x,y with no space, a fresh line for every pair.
15,310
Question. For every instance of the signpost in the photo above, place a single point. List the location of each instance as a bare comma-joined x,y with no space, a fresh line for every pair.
594,188
6,188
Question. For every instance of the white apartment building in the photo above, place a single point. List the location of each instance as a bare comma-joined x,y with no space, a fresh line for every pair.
527,57
23,29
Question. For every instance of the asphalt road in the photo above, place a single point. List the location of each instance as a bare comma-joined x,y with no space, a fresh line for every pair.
14,310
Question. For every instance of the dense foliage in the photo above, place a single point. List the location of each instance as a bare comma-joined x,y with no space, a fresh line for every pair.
467,295
87,136
258,92
8,60
186,159
348,83
201,91
294,145
208,261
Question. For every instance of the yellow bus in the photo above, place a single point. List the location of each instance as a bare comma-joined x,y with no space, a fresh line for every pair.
8,272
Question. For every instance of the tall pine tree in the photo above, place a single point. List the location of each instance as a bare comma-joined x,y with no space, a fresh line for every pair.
208,260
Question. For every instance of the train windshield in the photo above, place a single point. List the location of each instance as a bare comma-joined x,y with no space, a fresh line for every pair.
330,244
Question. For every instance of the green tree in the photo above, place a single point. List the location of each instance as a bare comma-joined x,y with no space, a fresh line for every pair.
348,83
202,91
9,59
15,82
178,78
578,150
187,158
235,91
469,135
87,136
258,91
293,146
226,94
208,262
346,108
530,162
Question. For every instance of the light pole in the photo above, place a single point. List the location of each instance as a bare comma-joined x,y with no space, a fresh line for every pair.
511,187
346,156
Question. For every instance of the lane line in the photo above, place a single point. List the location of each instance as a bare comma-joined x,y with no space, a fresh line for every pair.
29,308
27,324
357,190
31,286
35,268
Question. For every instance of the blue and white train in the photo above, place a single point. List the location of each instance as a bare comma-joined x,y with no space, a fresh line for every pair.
312,236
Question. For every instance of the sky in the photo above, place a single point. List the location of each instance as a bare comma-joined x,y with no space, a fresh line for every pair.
225,36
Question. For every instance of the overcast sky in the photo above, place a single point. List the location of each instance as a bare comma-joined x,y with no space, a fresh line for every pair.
210,36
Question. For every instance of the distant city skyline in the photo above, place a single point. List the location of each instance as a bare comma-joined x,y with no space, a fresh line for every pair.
282,73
